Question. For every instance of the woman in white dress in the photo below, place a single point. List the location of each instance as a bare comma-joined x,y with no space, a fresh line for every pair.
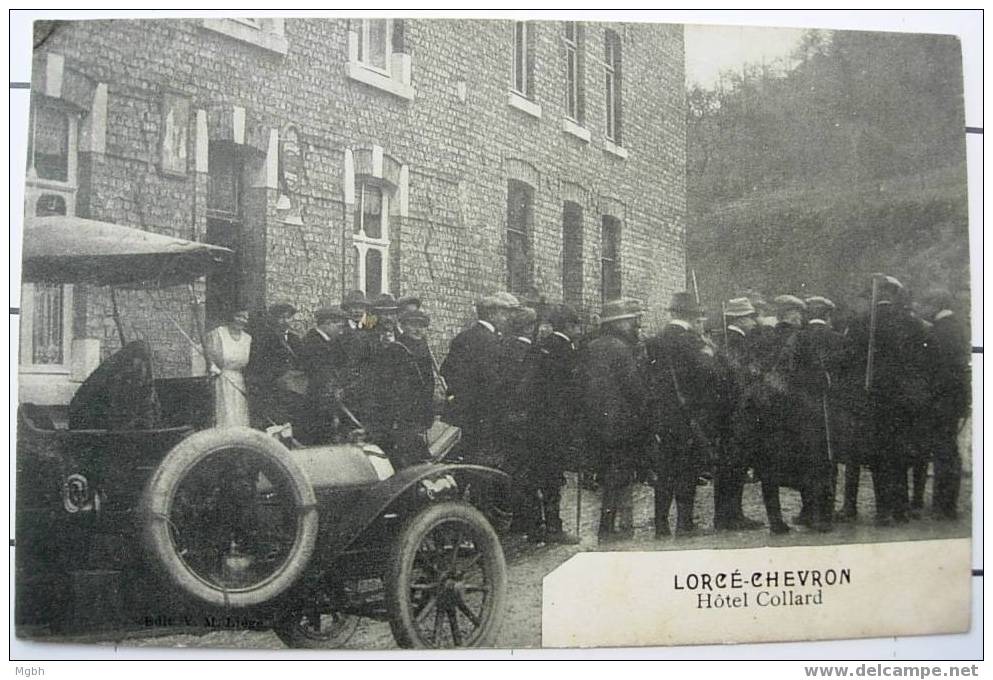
228,348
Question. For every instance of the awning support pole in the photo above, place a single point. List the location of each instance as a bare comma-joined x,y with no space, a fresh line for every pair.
117,316
197,322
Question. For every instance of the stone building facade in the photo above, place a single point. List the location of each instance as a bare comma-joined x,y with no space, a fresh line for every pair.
447,159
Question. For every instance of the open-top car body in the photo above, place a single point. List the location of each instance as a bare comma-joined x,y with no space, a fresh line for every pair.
186,525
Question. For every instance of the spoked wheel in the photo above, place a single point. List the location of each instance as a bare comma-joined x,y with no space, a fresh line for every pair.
447,579
316,626
230,518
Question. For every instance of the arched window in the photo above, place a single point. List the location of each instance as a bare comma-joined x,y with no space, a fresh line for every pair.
520,221
371,237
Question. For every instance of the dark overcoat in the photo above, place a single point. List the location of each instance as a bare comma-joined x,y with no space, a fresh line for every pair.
414,382
556,414
614,393
473,370
948,350
273,354
685,382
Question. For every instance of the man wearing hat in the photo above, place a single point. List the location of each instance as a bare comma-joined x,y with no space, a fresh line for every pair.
385,314
554,419
409,401
473,370
324,359
795,452
355,305
734,454
816,367
684,382
898,391
273,367
407,303
355,343
516,407
948,363
615,410
373,398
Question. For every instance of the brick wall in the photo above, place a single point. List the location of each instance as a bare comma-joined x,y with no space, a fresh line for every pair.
459,139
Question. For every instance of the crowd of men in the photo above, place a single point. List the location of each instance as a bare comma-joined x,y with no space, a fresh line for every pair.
365,365
777,392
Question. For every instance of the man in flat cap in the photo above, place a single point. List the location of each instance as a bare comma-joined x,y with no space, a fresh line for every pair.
799,455
684,382
734,454
272,373
408,400
555,418
355,342
473,370
615,408
324,359
826,350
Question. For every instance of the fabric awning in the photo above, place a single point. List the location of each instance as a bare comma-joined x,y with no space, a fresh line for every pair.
64,249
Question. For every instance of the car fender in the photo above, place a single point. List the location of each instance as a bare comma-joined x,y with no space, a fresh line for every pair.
378,499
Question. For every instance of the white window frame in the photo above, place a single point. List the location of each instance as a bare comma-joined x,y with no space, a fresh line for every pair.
395,78
363,243
35,188
365,43
267,33
26,363
520,64
617,229
611,41
572,58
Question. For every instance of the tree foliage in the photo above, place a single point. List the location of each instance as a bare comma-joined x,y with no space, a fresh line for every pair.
806,174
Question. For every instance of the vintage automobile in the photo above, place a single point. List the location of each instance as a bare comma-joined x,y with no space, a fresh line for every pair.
190,527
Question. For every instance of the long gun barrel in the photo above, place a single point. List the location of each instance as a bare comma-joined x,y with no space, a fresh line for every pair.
872,334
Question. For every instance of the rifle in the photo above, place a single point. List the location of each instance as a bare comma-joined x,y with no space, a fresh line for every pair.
872,333
695,428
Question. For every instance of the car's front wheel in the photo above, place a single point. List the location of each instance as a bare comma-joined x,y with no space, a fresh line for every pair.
447,579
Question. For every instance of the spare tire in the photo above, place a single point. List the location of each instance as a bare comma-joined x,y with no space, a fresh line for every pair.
229,518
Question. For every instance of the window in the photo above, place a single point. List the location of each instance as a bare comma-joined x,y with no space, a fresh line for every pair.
48,145
572,254
371,239
377,56
225,169
50,190
520,217
265,32
375,43
224,181
523,82
610,266
574,96
612,68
